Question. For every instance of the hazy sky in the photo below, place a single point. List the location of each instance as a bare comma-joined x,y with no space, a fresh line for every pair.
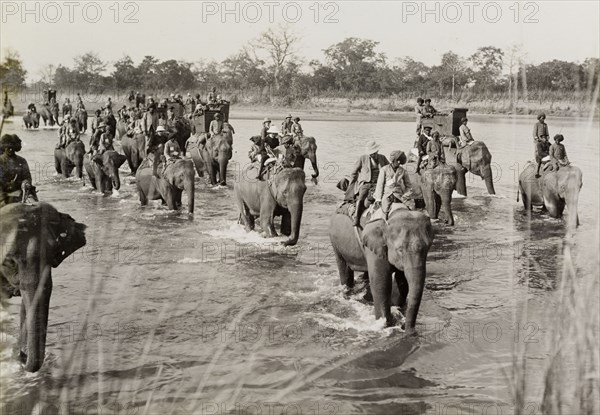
55,32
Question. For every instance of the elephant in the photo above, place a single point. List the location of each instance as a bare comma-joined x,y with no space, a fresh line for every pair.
280,195
134,149
121,130
67,108
103,171
177,178
397,246
434,187
65,159
194,147
554,190
475,158
35,238
31,120
82,120
54,110
216,154
308,150
47,116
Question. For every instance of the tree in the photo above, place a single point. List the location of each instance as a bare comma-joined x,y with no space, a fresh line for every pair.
12,72
126,75
46,74
243,70
355,63
488,62
515,58
280,46
453,68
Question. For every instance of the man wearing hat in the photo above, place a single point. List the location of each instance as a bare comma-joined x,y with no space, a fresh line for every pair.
424,138
465,133
15,177
365,174
542,150
286,125
272,139
558,153
393,184
428,111
419,114
258,154
156,147
540,129
286,152
216,125
297,130
149,122
265,127
96,138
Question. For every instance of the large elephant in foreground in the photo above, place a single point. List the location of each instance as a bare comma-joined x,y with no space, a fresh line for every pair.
308,150
398,246
134,149
47,116
279,195
475,158
554,190
31,120
434,187
104,172
177,178
65,159
216,154
35,238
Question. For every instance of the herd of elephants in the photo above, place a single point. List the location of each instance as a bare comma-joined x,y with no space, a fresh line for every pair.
39,237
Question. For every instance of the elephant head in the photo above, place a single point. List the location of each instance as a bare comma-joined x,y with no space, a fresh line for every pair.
437,186
308,150
562,188
35,238
477,159
288,188
111,161
403,242
181,176
221,152
75,152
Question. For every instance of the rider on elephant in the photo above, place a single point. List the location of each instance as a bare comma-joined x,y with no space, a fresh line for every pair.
272,138
14,172
31,108
365,174
149,122
542,151
216,125
558,153
286,152
172,151
156,148
297,130
466,138
435,152
286,125
540,129
258,154
428,110
393,184
96,137
419,114
96,121
265,127
105,143
424,138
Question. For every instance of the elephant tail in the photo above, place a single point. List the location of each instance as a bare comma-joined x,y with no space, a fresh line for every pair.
518,192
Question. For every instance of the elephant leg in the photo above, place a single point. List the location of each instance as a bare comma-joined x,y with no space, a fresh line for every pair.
554,205
429,199
346,274
380,279
438,204
143,196
286,223
402,285
266,223
57,165
171,199
525,198
446,203
64,166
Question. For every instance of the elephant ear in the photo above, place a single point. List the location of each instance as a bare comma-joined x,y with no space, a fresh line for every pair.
119,160
374,240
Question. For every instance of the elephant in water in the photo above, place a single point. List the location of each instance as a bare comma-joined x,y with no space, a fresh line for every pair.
67,108
554,190
177,178
65,159
308,150
475,158
216,154
398,246
35,238
82,120
434,187
134,149
104,172
279,195
54,110
47,116
31,120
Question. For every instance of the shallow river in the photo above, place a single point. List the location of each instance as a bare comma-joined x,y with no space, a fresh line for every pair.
162,313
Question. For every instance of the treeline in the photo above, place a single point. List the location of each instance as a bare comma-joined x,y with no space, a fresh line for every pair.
270,67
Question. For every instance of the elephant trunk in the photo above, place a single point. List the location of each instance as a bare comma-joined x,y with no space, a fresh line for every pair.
461,181
34,318
116,180
488,177
296,220
189,188
223,162
414,270
447,205
572,215
313,161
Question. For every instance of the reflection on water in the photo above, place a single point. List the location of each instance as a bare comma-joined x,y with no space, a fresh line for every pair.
180,314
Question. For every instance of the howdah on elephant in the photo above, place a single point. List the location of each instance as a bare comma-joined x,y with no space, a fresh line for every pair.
308,150
103,171
216,154
65,159
35,238
31,120
173,181
397,247
434,187
280,195
475,158
554,190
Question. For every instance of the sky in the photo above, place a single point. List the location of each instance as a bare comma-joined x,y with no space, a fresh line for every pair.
54,32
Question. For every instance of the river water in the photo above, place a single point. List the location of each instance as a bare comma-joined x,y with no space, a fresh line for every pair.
165,313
